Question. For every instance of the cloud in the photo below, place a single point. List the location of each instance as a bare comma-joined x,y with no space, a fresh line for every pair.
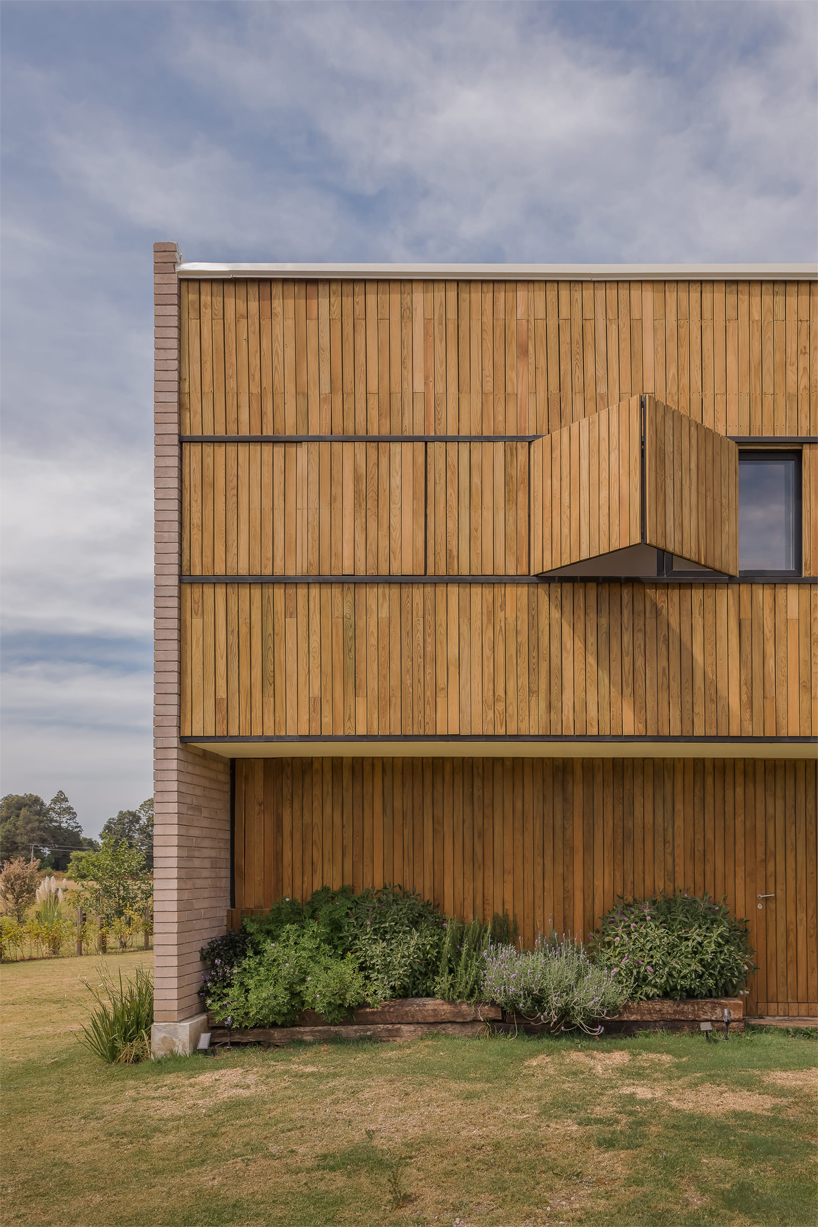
543,132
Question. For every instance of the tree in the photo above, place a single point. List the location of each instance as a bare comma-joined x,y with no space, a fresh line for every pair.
135,828
113,880
23,821
51,831
18,886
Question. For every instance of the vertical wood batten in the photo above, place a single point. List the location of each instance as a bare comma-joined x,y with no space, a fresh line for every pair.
478,836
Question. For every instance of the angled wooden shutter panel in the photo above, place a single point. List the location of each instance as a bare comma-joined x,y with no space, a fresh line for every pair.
586,488
691,489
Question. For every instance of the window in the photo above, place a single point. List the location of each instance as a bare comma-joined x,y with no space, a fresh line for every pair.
769,513
769,519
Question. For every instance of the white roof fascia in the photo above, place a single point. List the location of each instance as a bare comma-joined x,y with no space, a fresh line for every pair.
507,272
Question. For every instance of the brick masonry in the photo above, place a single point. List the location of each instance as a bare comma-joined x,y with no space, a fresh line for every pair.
191,787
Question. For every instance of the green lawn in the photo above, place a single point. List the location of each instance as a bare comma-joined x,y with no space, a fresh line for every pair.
504,1132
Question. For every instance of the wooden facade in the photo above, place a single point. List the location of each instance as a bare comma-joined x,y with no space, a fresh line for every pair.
499,659
555,841
379,479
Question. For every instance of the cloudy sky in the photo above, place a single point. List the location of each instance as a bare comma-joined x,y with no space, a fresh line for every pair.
423,131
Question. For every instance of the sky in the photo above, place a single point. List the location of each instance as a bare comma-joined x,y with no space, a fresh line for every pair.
552,133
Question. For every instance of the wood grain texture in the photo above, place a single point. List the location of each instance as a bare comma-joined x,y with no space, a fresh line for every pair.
685,463
485,358
591,832
411,658
586,478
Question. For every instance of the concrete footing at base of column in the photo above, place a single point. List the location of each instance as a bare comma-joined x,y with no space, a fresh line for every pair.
177,1038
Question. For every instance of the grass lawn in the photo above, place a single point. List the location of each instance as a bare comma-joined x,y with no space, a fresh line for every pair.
503,1132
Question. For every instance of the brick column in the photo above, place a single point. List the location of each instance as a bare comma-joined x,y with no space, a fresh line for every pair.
191,788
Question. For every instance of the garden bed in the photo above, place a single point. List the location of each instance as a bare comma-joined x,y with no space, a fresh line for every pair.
654,1015
410,1017
405,1018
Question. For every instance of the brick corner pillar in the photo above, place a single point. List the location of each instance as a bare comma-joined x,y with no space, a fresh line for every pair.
191,787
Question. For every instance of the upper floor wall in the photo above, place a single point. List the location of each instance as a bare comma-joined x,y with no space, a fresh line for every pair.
424,357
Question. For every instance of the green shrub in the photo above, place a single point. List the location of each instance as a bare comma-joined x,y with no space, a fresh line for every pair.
555,983
280,978
119,1028
462,961
675,946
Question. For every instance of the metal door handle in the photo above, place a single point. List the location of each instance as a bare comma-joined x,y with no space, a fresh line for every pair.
766,896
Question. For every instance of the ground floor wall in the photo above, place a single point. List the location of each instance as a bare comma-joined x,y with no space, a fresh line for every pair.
191,871
552,841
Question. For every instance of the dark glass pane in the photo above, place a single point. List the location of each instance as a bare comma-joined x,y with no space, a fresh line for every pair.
766,514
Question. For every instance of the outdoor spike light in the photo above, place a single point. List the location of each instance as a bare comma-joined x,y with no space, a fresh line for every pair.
727,1016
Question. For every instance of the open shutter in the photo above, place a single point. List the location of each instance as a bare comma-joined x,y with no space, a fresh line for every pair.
691,489
586,488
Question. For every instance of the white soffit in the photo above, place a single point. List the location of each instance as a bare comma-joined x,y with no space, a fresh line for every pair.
507,272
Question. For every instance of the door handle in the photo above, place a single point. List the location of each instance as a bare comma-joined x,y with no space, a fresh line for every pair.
761,905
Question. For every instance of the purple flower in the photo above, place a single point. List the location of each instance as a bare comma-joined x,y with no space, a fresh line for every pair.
650,969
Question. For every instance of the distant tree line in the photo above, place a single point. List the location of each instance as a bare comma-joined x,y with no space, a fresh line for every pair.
51,832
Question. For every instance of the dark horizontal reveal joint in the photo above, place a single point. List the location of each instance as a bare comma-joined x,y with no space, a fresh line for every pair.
358,438
494,579
773,440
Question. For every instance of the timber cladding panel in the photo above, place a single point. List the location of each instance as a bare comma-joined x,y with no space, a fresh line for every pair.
691,489
495,659
470,357
355,508
554,841
586,487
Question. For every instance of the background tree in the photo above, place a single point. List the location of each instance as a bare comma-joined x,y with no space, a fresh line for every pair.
135,828
52,831
113,881
23,821
18,886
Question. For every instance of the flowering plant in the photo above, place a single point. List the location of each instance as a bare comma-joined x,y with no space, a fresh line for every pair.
675,946
555,983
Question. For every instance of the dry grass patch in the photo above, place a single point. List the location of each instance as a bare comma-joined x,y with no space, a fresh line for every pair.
482,1133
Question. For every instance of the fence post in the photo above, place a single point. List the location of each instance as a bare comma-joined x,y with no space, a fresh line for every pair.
80,919
145,930
102,940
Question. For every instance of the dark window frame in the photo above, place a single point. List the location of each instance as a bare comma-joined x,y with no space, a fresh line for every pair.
665,566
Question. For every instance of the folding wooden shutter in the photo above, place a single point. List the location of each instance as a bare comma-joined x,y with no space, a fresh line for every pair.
586,488
691,489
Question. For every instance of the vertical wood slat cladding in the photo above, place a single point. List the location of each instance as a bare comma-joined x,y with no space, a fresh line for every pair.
691,489
593,830
303,508
477,508
347,508
641,659
470,357
586,488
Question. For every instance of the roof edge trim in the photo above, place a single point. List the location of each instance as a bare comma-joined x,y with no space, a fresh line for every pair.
507,272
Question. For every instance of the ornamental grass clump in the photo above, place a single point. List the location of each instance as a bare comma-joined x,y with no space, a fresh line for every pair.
556,983
675,946
120,1027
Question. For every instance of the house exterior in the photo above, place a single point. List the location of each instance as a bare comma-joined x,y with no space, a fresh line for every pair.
497,582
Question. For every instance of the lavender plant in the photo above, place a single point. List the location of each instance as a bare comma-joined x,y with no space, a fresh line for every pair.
555,983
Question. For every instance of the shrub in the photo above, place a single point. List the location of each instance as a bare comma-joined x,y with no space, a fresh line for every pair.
462,961
119,1028
675,946
18,886
12,937
278,979
555,983
222,956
